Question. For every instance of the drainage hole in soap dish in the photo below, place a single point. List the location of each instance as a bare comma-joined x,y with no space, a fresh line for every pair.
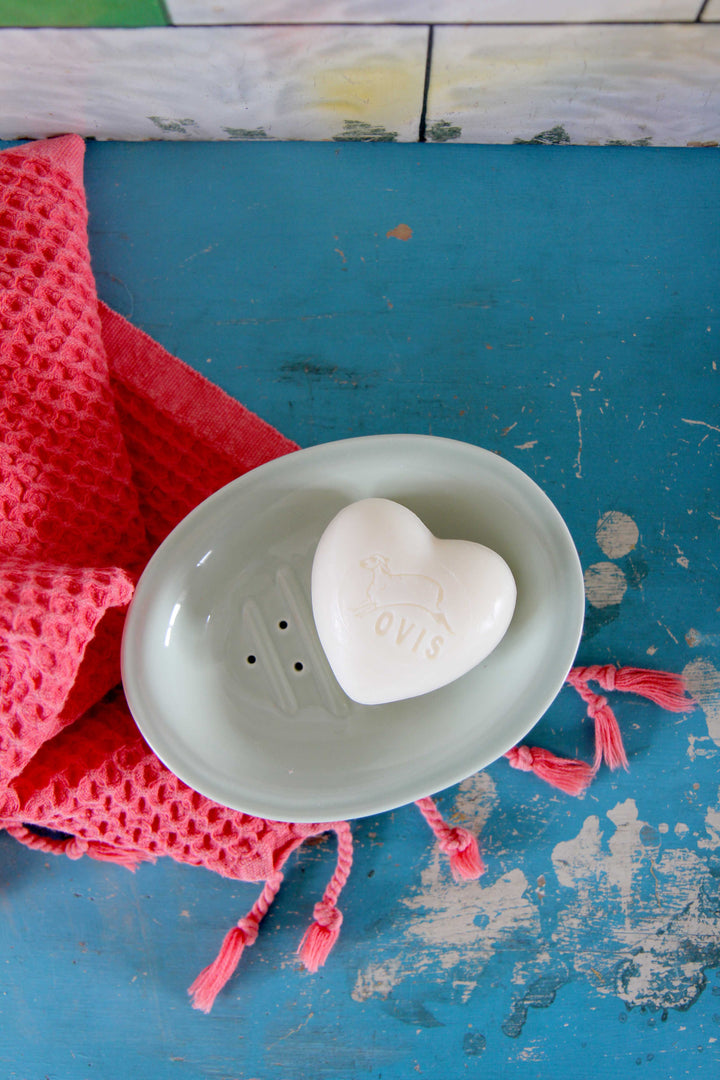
298,665
251,659
283,624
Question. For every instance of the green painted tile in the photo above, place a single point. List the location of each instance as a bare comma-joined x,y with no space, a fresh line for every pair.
83,13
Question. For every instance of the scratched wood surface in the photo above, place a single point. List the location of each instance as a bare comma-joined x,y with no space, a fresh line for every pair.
555,306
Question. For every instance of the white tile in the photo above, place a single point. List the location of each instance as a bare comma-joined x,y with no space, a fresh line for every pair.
188,12
712,12
213,83
652,84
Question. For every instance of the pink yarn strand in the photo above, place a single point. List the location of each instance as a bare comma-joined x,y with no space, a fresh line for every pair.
213,978
662,687
324,931
457,843
608,740
567,774
666,689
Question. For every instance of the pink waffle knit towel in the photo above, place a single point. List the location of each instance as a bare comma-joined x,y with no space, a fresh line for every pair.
106,443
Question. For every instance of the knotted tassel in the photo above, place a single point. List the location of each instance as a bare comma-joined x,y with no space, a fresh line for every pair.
662,687
322,934
568,774
608,740
213,978
458,843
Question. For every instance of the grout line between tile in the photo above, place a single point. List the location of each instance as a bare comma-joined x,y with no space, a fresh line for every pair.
385,25
426,87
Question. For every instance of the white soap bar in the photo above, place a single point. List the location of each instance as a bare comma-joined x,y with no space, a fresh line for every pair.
400,613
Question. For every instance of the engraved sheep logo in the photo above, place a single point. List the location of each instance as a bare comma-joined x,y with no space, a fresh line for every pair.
387,589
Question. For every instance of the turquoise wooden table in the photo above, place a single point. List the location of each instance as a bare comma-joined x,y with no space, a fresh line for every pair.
556,306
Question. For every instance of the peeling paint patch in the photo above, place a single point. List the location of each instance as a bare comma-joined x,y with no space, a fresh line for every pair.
539,995
616,534
554,136
657,955
475,801
474,1043
245,133
682,558
605,584
645,141
694,751
467,924
361,131
455,926
376,980
702,423
443,131
712,827
575,395
400,232
173,125
703,681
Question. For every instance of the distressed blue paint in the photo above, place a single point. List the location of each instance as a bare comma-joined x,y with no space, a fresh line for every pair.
272,261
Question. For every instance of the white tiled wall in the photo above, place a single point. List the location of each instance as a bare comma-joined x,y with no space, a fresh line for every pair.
648,85
298,82
643,72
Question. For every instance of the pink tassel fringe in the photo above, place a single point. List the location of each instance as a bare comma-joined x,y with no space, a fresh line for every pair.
608,740
568,774
456,842
213,978
662,687
320,937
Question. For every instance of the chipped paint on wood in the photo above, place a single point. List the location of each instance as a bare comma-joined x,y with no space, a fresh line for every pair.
703,681
400,232
669,934
711,842
616,534
605,584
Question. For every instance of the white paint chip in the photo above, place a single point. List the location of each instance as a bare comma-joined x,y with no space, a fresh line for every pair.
605,584
711,842
703,681
616,534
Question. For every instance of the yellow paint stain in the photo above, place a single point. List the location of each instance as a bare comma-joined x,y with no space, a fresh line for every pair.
387,93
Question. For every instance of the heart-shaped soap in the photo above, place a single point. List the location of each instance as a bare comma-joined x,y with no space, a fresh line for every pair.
399,612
